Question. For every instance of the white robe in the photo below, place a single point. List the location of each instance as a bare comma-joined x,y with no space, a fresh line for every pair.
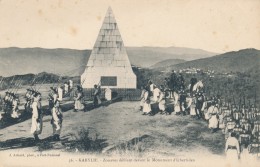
193,107
232,154
147,106
79,102
57,122
156,94
151,87
71,84
66,88
60,94
204,109
162,101
15,110
213,120
176,102
36,127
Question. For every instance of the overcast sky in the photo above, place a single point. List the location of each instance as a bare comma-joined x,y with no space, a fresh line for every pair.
213,25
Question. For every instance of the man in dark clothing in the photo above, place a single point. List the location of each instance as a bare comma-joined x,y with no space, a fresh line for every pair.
182,100
180,81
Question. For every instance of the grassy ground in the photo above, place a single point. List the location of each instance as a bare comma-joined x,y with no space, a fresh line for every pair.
119,129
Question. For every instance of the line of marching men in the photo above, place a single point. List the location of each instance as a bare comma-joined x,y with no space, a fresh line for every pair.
10,104
55,97
33,106
240,125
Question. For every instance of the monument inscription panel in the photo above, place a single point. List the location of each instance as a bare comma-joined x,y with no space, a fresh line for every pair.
108,81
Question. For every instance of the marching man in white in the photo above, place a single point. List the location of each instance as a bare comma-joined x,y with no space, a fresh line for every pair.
56,120
147,106
213,119
232,148
36,127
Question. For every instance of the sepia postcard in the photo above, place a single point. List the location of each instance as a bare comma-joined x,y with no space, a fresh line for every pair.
129,83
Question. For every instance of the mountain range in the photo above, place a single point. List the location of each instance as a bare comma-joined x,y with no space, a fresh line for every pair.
72,62
246,60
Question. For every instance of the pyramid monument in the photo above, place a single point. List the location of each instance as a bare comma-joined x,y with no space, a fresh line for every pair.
108,63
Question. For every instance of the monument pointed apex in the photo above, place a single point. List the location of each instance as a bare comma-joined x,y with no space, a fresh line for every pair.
109,12
109,8
108,63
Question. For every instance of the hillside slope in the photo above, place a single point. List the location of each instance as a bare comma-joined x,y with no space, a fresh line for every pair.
236,61
167,62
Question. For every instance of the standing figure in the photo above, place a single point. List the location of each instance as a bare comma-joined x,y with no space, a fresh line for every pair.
37,114
79,105
162,102
182,100
250,114
142,99
66,87
253,148
247,126
237,115
166,84
213,120
15,110
193,101
180,81
29,100
97,92
156,94
199,104
256,129
176,104
221,119
151,87
60,93
7,102
70,84
147,106
173,80
204,109
188,103
232,148
244,138
230,124
56,120
53,97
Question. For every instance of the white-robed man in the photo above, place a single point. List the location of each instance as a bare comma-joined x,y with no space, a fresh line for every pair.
36,127
147,106
213,117
232,148
176,103
79,100
56,120
156,94
66,87
70,84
